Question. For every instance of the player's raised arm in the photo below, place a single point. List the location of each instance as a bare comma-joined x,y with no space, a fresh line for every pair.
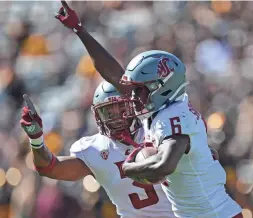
60,168
161,164
104,63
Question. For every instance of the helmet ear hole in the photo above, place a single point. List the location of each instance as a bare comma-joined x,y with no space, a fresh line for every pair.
166,92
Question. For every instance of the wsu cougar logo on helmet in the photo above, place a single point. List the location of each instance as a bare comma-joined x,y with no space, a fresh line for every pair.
163,69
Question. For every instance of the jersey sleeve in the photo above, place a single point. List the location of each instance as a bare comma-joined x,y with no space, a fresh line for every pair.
80,149
88,149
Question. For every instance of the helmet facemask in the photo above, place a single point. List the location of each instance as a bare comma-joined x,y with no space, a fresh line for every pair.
160,72
116,117
140,95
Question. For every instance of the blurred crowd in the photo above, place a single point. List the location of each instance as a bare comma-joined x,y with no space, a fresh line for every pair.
42,58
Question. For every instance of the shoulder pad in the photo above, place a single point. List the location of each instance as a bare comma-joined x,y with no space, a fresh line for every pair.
96,142
83,143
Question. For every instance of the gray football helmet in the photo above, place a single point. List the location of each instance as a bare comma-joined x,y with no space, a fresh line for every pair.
114,113
159,74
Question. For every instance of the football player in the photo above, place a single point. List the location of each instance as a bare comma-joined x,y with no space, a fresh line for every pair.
195,181
194,199
101,155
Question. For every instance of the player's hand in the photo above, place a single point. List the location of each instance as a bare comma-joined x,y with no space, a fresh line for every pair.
68,17
132,155
31,121
129,161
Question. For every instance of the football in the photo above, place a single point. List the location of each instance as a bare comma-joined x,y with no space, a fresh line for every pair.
145,153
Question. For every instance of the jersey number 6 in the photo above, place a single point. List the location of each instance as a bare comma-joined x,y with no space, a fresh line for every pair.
175,125
135,199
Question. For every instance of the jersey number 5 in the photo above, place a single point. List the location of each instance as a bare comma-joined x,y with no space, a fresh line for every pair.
134,198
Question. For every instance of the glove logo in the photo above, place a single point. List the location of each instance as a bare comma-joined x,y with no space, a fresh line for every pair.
30,128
